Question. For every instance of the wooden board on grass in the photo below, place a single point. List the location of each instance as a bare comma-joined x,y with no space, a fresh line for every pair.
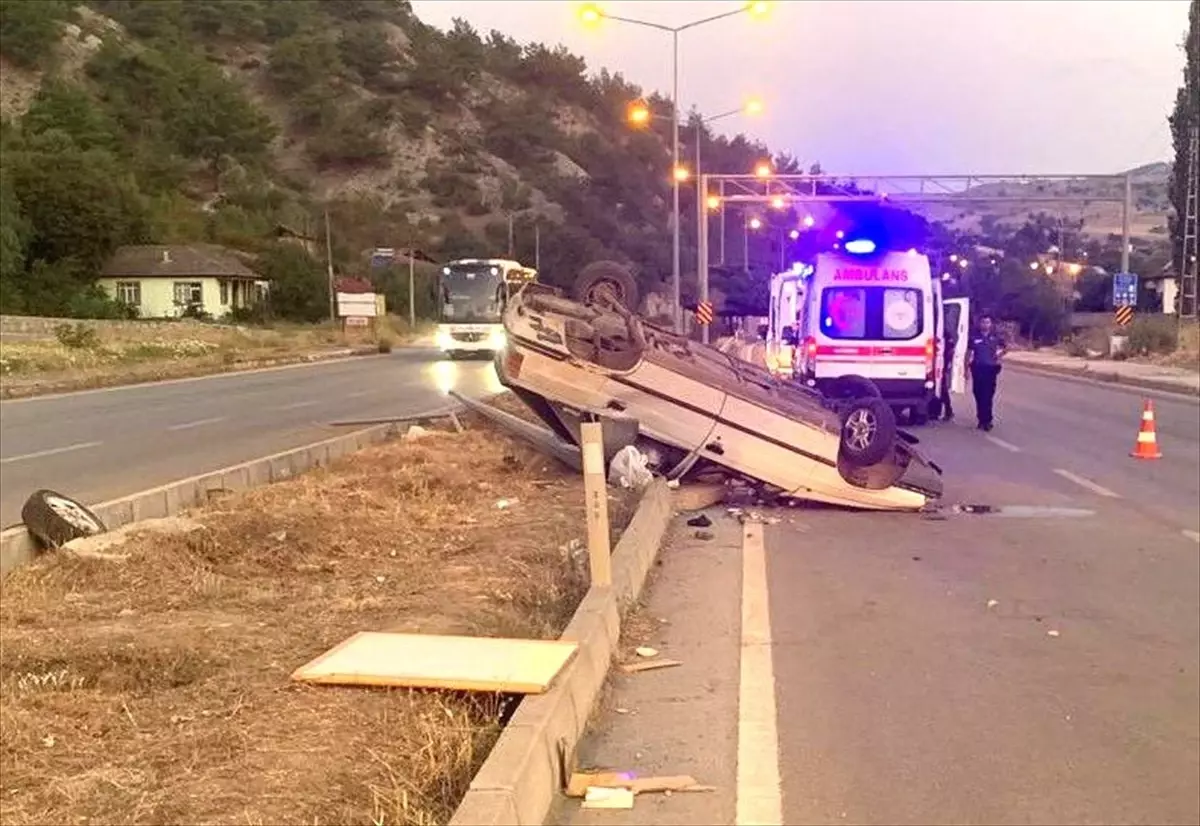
429,661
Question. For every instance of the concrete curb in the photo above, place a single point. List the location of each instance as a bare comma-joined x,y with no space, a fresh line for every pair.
518,782
17,547
1091,376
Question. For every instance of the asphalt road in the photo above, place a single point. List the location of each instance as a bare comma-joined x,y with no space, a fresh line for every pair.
103,444
1036,667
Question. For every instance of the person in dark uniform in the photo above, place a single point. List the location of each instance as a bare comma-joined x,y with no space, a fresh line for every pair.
950,344
984,352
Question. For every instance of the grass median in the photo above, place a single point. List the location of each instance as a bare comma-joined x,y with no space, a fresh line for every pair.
82,355
156,689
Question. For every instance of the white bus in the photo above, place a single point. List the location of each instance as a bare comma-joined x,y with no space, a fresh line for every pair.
472,295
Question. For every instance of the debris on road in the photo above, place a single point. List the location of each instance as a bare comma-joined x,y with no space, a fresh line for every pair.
992,603
700,521
581,783
603,797
646,651
453,663
648,665
703,535
1051,633
629,468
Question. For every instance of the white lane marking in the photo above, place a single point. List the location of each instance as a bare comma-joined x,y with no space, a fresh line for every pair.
759,797
51,452
296,406
1193,535
1009,446
1087,483
197,423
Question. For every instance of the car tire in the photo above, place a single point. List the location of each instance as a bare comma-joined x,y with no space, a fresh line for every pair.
868,431
607,277
54,519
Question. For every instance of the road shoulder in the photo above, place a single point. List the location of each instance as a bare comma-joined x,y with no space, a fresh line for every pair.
682,720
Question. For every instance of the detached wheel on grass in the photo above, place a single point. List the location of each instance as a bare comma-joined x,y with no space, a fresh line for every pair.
55,519
868,431
606,278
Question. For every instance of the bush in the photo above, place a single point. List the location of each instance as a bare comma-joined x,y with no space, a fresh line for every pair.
1153,335
77,336
30,29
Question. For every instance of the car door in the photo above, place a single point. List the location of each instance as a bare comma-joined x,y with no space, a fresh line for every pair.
956,317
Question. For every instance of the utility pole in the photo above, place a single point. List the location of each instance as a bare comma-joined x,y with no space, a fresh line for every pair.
537,245
1190,252
329,269
510,235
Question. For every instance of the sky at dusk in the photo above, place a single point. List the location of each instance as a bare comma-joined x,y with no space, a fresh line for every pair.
898,86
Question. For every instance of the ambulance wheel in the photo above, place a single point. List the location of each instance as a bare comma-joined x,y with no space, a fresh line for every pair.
868,431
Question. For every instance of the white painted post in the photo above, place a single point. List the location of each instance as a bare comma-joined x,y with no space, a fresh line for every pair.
595,491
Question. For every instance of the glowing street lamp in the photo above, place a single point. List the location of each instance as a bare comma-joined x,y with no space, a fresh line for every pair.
681,174
1033,265
759,8
753,106
794,234
962,262
590,14
755,224
713,201
778,203
809,220
638,114
762,169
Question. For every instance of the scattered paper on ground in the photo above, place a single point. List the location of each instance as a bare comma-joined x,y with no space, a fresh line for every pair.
441,661
157,689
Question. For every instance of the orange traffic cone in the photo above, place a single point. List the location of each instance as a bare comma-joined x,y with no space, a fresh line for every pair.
1146,446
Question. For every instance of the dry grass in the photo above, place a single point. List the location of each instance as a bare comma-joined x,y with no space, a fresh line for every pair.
157,690
87,355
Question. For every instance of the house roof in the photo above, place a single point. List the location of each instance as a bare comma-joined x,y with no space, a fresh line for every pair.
175,261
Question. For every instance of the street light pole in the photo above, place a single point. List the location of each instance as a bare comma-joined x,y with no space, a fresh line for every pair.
592,14
675,285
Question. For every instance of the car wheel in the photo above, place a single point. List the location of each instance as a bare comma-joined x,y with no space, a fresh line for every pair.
55,519
607,279
868,431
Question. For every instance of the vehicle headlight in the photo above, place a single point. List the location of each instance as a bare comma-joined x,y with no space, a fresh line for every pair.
443,340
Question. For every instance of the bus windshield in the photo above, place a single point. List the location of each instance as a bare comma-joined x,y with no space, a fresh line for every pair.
471,294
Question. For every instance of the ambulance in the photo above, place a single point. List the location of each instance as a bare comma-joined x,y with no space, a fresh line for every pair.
861,321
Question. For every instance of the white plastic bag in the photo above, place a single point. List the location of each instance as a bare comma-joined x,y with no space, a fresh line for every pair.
628,469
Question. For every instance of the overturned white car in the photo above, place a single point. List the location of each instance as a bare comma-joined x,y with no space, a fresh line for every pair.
697,409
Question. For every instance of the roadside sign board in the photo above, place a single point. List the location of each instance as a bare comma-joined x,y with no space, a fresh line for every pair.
1125,289
357,304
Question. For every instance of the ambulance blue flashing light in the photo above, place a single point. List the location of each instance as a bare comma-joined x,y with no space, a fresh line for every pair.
860,246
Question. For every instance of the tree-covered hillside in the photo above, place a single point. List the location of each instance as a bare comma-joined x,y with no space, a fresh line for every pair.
220,120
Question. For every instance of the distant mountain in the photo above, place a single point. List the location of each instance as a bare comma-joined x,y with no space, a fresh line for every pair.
1148,221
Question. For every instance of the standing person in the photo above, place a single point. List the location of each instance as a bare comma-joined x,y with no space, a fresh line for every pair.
984,352
950,344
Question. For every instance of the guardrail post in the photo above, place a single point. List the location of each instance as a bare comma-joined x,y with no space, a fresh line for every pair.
595,491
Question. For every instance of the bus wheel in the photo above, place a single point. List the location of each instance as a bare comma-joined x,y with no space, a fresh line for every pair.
606,279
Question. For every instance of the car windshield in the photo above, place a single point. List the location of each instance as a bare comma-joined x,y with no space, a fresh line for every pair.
472,294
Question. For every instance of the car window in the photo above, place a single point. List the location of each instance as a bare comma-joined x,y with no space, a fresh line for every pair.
901,313
871,313
844,312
